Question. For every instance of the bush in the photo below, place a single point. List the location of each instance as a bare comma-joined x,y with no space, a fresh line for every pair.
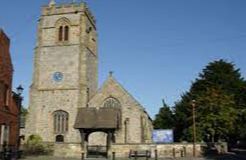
35,146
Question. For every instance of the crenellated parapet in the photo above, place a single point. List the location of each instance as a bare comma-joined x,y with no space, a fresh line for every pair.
58,9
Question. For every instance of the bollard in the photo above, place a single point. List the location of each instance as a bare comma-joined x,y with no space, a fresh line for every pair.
184,148
147,154
222,148
113,155
156,154
181,153
174,153
135,154
82,156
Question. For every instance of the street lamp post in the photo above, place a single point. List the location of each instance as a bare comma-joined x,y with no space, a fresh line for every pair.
194,126
19,90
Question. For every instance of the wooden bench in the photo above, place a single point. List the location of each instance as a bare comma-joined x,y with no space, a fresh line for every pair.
139,153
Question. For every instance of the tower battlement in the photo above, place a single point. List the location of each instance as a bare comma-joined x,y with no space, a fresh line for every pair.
57,9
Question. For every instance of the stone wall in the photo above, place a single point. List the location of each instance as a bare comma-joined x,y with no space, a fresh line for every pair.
163,150
123,150
68,150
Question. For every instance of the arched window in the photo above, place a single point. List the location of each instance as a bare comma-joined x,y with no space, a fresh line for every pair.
111,102
62,25
66,33
60,33
60,122
63,33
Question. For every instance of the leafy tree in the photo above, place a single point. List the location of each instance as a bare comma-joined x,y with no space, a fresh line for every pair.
216,114
182,118
165,118
219,94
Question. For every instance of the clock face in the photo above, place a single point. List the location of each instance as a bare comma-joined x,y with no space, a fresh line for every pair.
58,76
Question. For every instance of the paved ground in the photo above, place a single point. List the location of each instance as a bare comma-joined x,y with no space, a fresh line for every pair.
224,157
236,154
47,158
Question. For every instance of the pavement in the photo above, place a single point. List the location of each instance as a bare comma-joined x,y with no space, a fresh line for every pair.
229,156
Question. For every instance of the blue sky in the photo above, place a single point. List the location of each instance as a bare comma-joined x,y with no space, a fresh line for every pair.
156,48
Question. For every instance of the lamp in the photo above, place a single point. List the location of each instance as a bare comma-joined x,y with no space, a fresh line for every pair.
19,90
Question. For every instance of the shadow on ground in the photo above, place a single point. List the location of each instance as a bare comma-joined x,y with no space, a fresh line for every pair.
236,154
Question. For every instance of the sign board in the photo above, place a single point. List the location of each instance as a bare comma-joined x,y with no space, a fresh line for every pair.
162,136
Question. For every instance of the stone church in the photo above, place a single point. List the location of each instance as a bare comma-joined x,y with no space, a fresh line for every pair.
66,106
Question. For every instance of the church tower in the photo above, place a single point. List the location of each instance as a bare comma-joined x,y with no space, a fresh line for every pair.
65,73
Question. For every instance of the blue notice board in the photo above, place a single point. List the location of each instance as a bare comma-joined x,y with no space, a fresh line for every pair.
162,136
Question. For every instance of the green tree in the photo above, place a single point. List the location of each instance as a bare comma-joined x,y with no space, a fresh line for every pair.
165,118
216,115
182,115
219,94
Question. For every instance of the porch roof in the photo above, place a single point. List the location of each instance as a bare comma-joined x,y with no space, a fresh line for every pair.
98,118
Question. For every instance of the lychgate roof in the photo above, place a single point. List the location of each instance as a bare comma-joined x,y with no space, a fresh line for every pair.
98,118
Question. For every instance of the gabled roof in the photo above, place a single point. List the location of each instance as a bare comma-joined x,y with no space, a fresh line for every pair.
111,80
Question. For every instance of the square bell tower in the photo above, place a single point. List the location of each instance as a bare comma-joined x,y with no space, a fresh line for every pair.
65,73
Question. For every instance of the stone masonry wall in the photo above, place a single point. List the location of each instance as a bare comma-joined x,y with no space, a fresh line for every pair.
123,150
163,150
68,150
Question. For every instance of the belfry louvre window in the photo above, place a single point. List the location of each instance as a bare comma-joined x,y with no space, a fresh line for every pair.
66,34
60,33
60,122
63,33
111,102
